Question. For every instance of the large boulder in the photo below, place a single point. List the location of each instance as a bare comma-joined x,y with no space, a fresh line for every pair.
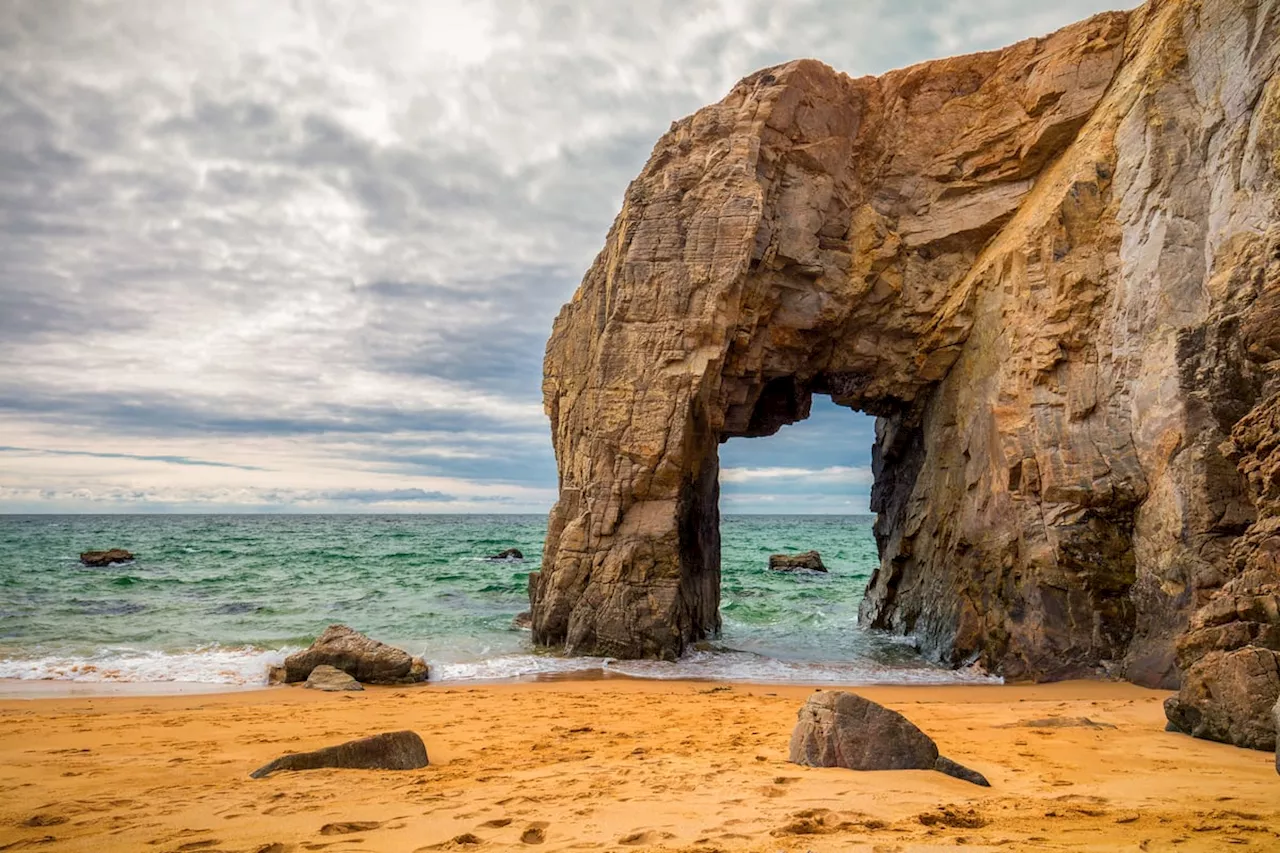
362,658
509,554
331,680
98,559
390,751
809,560
1229,697
838,729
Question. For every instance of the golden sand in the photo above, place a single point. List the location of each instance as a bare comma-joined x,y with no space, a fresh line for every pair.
618,765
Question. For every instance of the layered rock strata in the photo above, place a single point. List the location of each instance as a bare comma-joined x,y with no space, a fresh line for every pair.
1051,273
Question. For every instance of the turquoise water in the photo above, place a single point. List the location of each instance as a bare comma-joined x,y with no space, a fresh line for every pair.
219,598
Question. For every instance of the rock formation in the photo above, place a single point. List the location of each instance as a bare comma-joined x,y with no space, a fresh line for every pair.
360,657
1053,274
99,559
837,729
390,751
808,561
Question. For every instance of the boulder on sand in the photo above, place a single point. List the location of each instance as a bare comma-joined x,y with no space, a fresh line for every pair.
360,657
390,751
1228,697
509,554
838,729
330,680
810,560
99,559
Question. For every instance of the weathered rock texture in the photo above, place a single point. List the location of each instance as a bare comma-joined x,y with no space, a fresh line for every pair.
808,561
331,680
838,729
1051,271
390,751
98,559
360,657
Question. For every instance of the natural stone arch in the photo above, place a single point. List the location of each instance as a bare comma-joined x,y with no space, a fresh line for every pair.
965,249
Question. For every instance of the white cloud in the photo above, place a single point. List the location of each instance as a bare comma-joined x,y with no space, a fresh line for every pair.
834,474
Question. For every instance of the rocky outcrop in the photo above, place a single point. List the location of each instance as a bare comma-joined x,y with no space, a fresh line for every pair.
99,559
364,659
509,554
390,751
331,680
1275,720
1050,271
837,729
808,561
1231,653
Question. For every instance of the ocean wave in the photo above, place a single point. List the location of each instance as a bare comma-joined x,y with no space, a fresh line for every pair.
247,666
212,664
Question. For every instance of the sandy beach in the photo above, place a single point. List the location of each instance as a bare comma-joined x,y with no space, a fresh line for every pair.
619,764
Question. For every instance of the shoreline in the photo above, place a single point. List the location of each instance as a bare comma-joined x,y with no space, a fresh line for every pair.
620,763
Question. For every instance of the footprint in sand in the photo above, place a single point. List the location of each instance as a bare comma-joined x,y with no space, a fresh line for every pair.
497,823
45,820
273,847
644,836
349,826
535,833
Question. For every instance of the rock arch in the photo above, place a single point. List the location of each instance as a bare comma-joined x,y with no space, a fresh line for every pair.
1047,270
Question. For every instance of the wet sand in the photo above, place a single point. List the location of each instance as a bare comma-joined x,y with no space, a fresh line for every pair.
618,764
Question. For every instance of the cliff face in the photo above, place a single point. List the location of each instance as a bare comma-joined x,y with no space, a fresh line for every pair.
1052,272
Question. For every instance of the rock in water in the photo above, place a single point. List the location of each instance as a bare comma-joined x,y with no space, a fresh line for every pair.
99,559
1062,306
838,729
330,680
355,654
509,554
391,751
809,560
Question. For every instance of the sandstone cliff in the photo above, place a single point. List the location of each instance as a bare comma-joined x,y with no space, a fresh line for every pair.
1052,272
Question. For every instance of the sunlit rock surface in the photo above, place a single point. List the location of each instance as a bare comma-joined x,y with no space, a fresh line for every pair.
1052,272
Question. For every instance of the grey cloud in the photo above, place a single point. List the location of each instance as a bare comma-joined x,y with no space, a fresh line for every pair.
172,460
252,220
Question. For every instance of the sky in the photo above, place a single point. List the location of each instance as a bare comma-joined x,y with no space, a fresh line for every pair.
304,256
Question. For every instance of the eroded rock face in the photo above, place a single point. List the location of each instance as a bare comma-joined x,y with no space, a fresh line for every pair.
1050,271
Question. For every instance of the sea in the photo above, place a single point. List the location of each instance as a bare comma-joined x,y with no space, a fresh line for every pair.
217,599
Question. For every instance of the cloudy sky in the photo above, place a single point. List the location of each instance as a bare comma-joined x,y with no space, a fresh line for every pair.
296,255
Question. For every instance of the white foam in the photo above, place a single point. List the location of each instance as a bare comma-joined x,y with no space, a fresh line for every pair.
212,664
245,666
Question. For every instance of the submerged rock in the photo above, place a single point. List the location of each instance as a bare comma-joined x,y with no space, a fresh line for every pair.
523,621
98,559
809,560
509,554
839,729
364,659
402,750
331,680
